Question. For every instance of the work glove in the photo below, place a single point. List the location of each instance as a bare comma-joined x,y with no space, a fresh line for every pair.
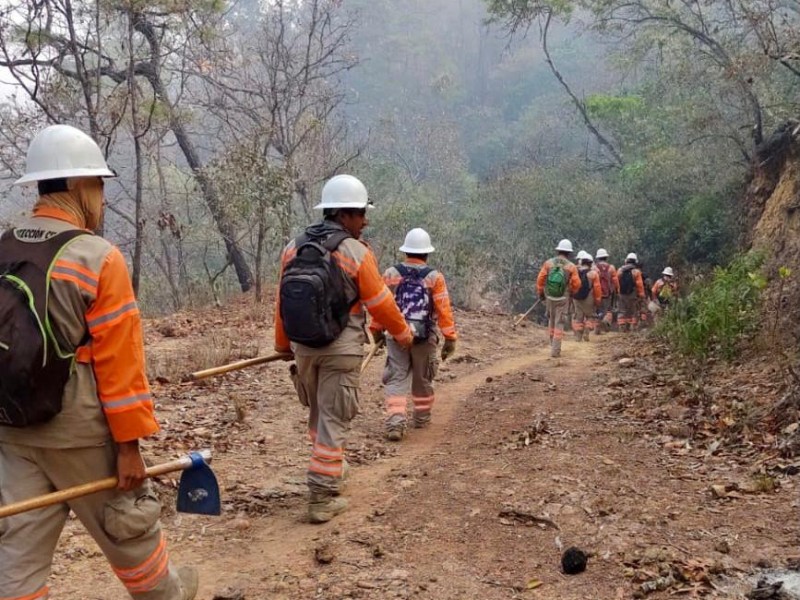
448,349
379,335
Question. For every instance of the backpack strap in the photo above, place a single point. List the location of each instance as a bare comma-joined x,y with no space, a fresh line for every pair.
406,271
331,243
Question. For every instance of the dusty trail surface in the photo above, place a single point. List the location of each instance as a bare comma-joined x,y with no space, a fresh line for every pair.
526,456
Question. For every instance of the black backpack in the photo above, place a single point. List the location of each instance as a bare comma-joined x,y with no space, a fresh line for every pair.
33,368
627,285
314,303
586,285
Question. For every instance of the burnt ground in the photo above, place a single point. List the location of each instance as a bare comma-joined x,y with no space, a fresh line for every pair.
526,456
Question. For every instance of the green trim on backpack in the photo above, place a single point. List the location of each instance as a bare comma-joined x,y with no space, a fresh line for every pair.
23,287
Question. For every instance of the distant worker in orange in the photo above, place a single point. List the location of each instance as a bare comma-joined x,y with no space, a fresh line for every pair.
557,279
609,284
631,293
328,277
587,299
421,294
665,290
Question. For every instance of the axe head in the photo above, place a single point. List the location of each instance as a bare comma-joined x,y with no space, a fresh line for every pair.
198,490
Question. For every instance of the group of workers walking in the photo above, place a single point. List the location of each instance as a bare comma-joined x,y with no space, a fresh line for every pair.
74,396
592,293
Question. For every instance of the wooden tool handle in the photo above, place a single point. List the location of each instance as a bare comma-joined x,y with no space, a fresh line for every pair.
372,351
235,366
522,318
100,485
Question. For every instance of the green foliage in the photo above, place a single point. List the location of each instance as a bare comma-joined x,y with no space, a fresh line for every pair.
715,316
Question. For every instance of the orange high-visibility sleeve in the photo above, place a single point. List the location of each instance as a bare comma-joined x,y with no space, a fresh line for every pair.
657,287
444,311
637,277
597,290
574,278
542,278
282,342
615,279
115,327
379,301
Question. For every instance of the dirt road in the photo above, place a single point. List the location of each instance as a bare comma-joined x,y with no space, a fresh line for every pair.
526,456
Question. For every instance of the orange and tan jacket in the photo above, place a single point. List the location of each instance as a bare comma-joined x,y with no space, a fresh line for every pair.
612,272
659,285
93,309
637,280
434,282
357,260
594,282
573,284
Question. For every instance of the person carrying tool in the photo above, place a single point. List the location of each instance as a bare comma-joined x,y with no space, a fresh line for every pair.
665,290
609,284
647,283
631,293
587,299
557,279
328,277
421,293
84,417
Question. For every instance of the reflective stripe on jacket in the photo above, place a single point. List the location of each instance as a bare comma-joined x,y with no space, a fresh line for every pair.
93,309
434,281
357,260
573,283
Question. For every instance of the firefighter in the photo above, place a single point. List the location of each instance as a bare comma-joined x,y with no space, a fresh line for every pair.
557,279
631,293
609,284
331,347
587,299
106,403
665,290
421,293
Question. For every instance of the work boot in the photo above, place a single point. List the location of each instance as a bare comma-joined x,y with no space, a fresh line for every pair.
190,581
395,426
586,335
323,507
395,434
422,420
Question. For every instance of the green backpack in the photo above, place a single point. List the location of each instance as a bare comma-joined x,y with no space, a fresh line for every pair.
556,284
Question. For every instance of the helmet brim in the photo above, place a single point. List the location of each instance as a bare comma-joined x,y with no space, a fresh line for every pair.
37,176
409,250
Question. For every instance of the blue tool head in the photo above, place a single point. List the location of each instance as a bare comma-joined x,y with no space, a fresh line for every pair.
198,491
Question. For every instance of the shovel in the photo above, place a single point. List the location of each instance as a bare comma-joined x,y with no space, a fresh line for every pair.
198,491
234,366
522,318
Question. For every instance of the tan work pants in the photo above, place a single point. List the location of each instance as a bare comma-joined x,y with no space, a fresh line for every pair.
556,314
628,311
328,385
607,308
124,524
412,369
585,319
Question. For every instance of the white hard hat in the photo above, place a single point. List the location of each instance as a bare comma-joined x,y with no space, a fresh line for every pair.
632,256
668,271
61,151
344,191
580,254
564,246
587,256
417,242
602,253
